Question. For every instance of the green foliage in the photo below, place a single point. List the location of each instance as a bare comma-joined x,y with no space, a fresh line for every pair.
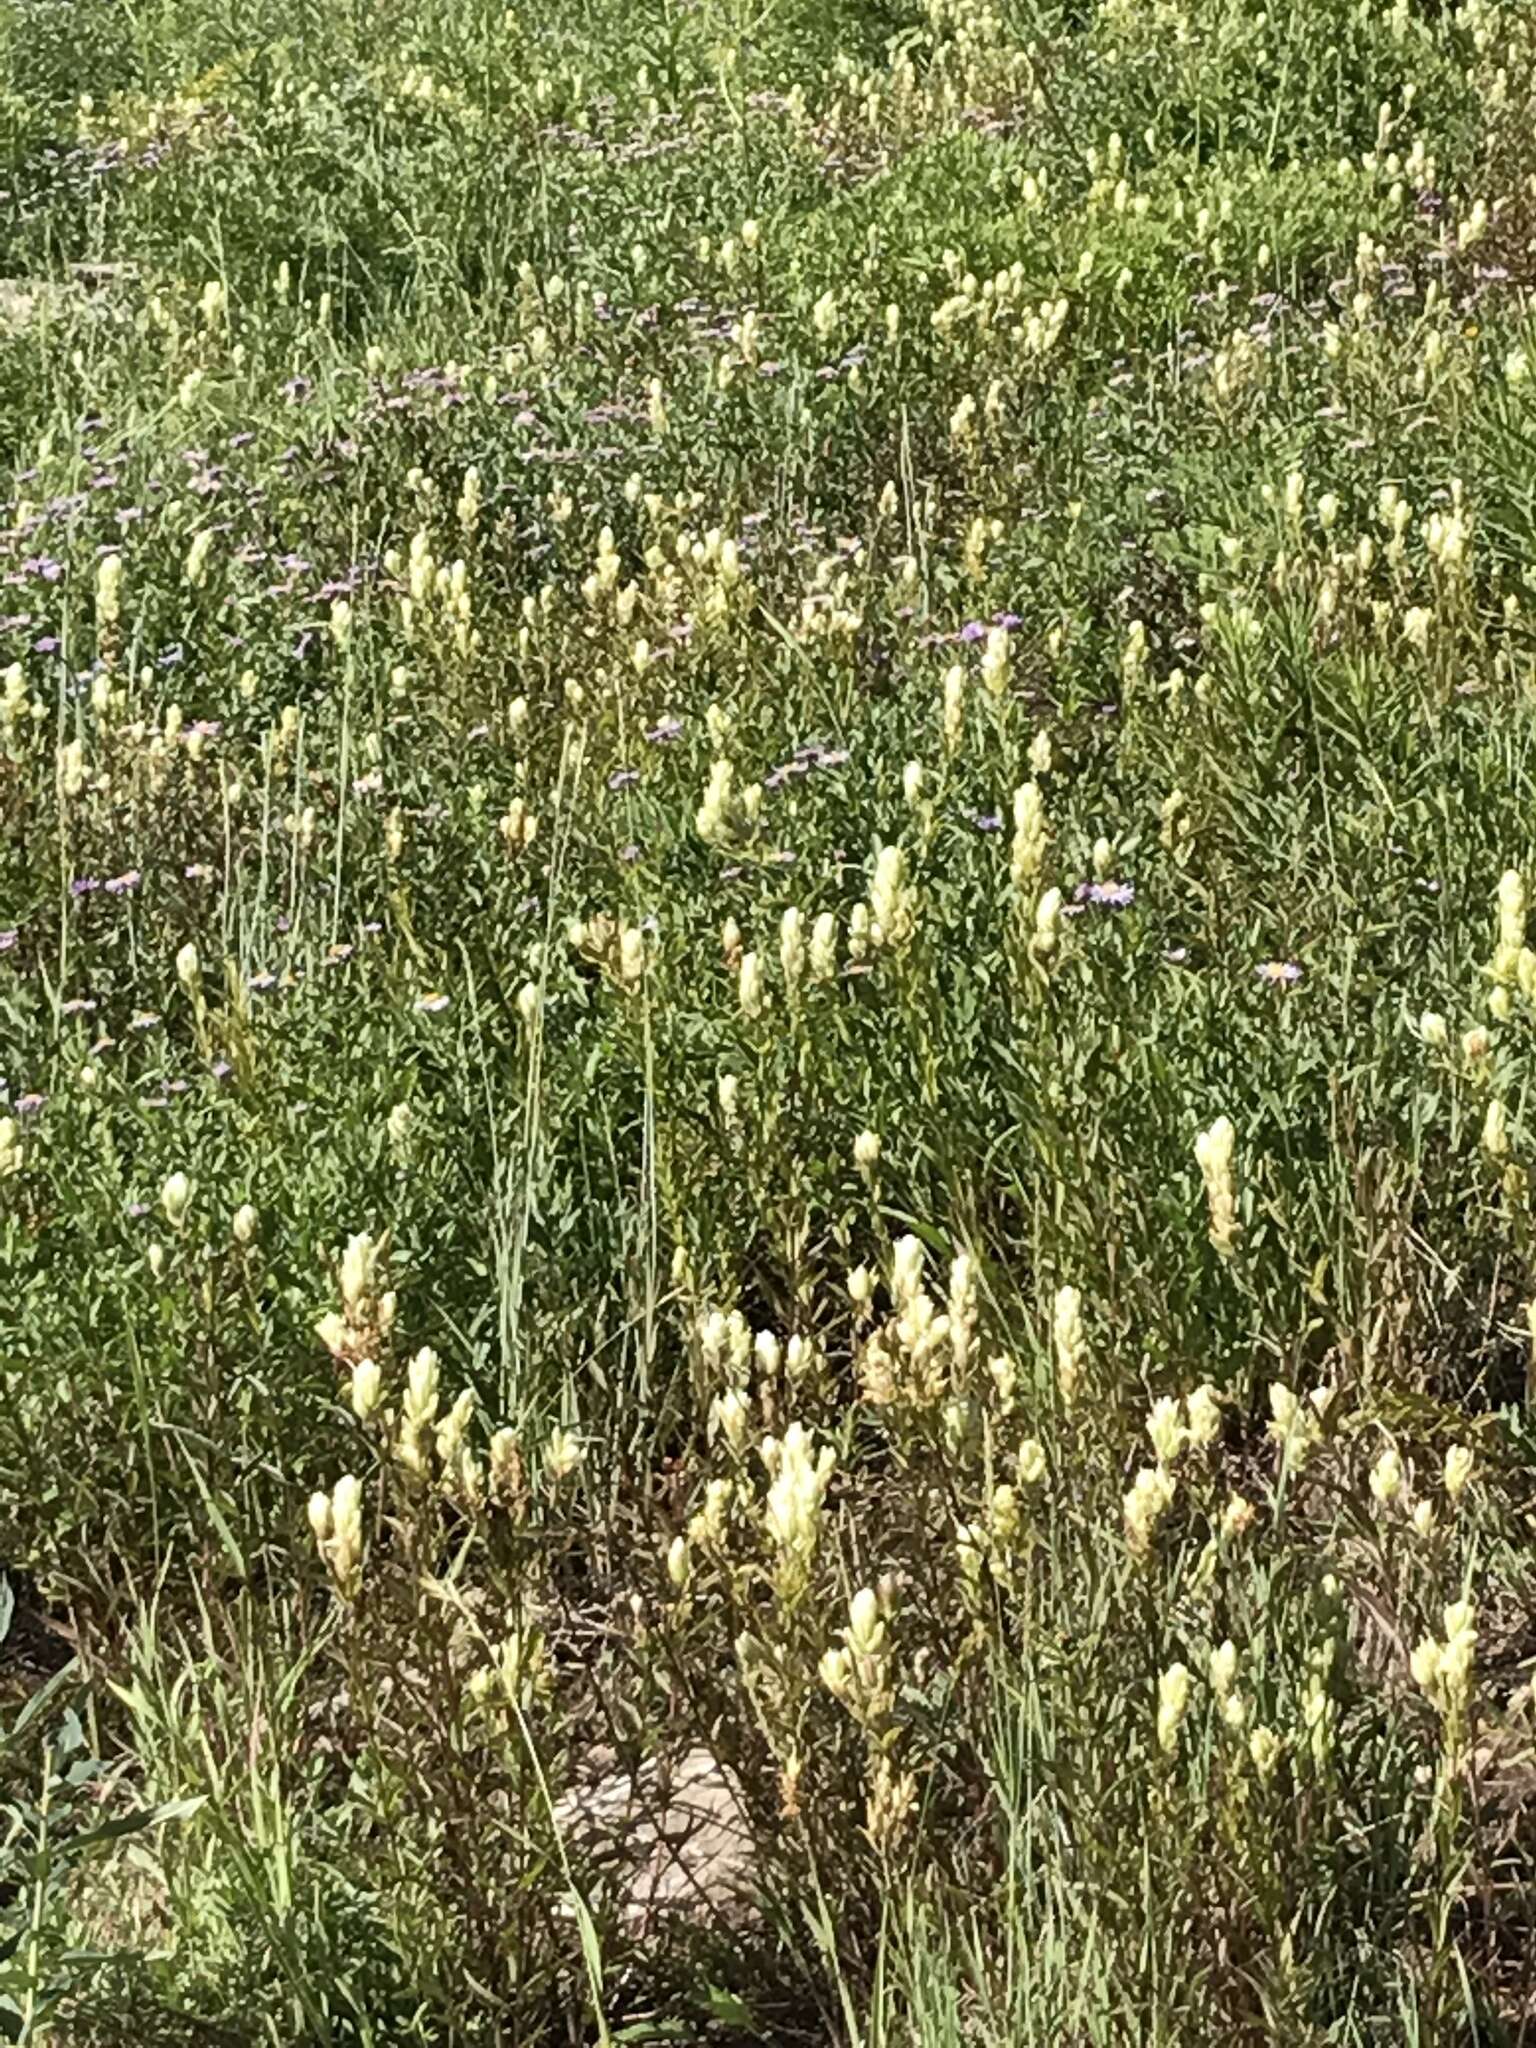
759,1028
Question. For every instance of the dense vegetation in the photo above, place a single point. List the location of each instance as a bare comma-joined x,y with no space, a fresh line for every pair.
766,793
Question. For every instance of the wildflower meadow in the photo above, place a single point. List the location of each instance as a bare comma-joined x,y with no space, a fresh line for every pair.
767,1021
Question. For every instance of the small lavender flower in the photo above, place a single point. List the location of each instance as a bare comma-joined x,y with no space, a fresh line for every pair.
124,884
1112,895
664,731
623,778
1279,973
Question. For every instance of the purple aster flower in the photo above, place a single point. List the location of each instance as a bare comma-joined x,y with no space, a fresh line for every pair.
78,1006
9,939
143,1020
629,854
972,630
986,821
665,730
136,1210
1112,895
85,885
29,1104
1279,973
623,778
221,1070
124,884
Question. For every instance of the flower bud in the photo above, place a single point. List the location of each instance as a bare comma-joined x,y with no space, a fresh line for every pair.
244,1224
174,1198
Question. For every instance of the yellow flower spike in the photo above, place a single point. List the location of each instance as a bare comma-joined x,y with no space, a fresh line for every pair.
1031,1462
1386,1478
1166,1430
1203,1408
1214,1149
1069,1341
1265,1750
1512,912
367,1387
562,1454
1496,1130
1460,1462
1172,1705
